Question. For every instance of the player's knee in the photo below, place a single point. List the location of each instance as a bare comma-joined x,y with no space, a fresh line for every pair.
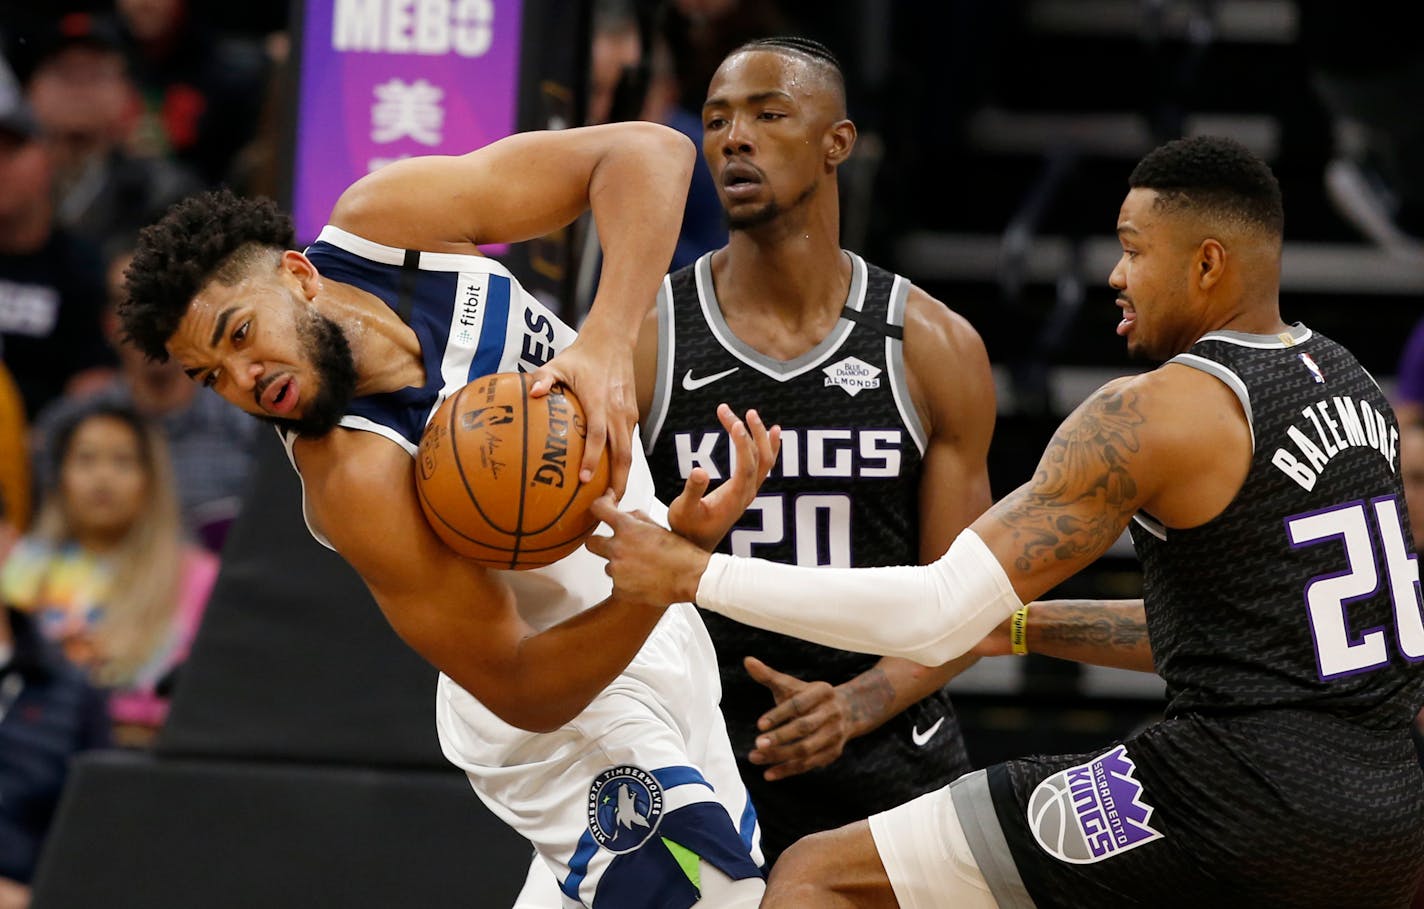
803,875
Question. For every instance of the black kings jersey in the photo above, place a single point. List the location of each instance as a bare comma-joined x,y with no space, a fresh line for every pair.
1288,630
843,492
1304,592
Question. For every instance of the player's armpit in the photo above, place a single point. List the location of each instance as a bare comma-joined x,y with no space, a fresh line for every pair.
460,617
1173,442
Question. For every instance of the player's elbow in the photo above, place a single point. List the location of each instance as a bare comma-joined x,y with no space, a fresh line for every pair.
530,714
659,142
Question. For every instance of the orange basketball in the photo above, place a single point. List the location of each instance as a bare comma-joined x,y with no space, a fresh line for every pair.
497,473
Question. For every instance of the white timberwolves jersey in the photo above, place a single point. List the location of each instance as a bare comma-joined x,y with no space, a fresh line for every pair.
654,739
472,319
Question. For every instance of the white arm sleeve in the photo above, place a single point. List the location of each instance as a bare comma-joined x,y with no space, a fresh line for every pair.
926,613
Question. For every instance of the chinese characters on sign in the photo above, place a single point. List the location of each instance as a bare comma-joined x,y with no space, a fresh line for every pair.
383,80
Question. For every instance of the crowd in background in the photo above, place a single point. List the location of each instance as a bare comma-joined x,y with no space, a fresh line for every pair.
119,476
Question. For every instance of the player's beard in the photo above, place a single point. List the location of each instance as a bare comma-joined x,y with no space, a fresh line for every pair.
769,212
329,353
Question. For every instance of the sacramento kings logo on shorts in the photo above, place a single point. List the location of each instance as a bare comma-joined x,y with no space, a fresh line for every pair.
1091,812
624,807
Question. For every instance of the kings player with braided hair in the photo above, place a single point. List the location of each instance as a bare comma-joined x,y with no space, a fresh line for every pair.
886,405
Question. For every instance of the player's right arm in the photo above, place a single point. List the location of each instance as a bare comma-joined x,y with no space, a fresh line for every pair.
1174,442
1101,632
633,176
456,614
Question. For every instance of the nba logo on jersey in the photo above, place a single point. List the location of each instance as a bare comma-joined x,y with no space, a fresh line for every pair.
624,806
1311,365
853,374
1091,812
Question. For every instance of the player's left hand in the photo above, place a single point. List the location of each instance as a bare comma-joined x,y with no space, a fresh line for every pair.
808,727
647,563
601,375
705,519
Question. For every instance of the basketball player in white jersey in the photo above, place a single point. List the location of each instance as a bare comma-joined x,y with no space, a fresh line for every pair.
588,724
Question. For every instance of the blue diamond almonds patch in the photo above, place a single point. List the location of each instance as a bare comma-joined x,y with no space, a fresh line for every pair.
853,374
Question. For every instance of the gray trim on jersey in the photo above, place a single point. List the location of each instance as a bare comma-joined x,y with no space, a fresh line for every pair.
1151,525
667,355
1298,334
895,364
777,369
974,806
1229,378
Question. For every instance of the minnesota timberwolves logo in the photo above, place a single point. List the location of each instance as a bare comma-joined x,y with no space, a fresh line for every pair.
624,807
1091,812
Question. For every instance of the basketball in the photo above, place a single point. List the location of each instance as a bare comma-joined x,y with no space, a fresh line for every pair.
497,473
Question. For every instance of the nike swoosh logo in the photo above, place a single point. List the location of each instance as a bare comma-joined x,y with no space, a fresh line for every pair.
691,384
922,738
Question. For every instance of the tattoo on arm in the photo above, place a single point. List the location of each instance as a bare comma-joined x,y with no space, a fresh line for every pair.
1083,489
868,698
1087,622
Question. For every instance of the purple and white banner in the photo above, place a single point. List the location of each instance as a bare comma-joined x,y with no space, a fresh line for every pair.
382,80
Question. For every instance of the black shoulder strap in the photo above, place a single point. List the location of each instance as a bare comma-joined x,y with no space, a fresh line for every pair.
405,290
885,328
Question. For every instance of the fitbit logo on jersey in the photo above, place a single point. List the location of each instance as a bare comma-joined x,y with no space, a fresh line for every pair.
465,27
555,457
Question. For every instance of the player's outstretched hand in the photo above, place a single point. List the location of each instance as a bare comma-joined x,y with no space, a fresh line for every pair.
705,519
647,563
808,727
601,376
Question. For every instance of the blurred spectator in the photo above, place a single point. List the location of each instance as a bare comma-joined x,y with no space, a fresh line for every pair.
14,459
87,107
1369,73
1409,395
48,713
202,92
1411,474
106,573
632,76
51,283
211,444
700,33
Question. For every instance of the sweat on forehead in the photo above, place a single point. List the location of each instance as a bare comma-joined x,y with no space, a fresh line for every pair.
823,75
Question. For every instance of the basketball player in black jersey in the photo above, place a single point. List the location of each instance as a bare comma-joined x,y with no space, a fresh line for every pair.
1258,471
886,406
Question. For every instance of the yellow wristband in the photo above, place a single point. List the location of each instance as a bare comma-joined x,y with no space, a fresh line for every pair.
1018,631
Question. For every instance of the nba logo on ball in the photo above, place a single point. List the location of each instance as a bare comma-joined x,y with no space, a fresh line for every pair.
624,806
1091,812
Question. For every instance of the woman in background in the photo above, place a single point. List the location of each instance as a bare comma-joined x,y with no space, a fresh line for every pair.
106,571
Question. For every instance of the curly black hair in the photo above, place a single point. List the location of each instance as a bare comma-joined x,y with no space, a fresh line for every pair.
1213,174
214,234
